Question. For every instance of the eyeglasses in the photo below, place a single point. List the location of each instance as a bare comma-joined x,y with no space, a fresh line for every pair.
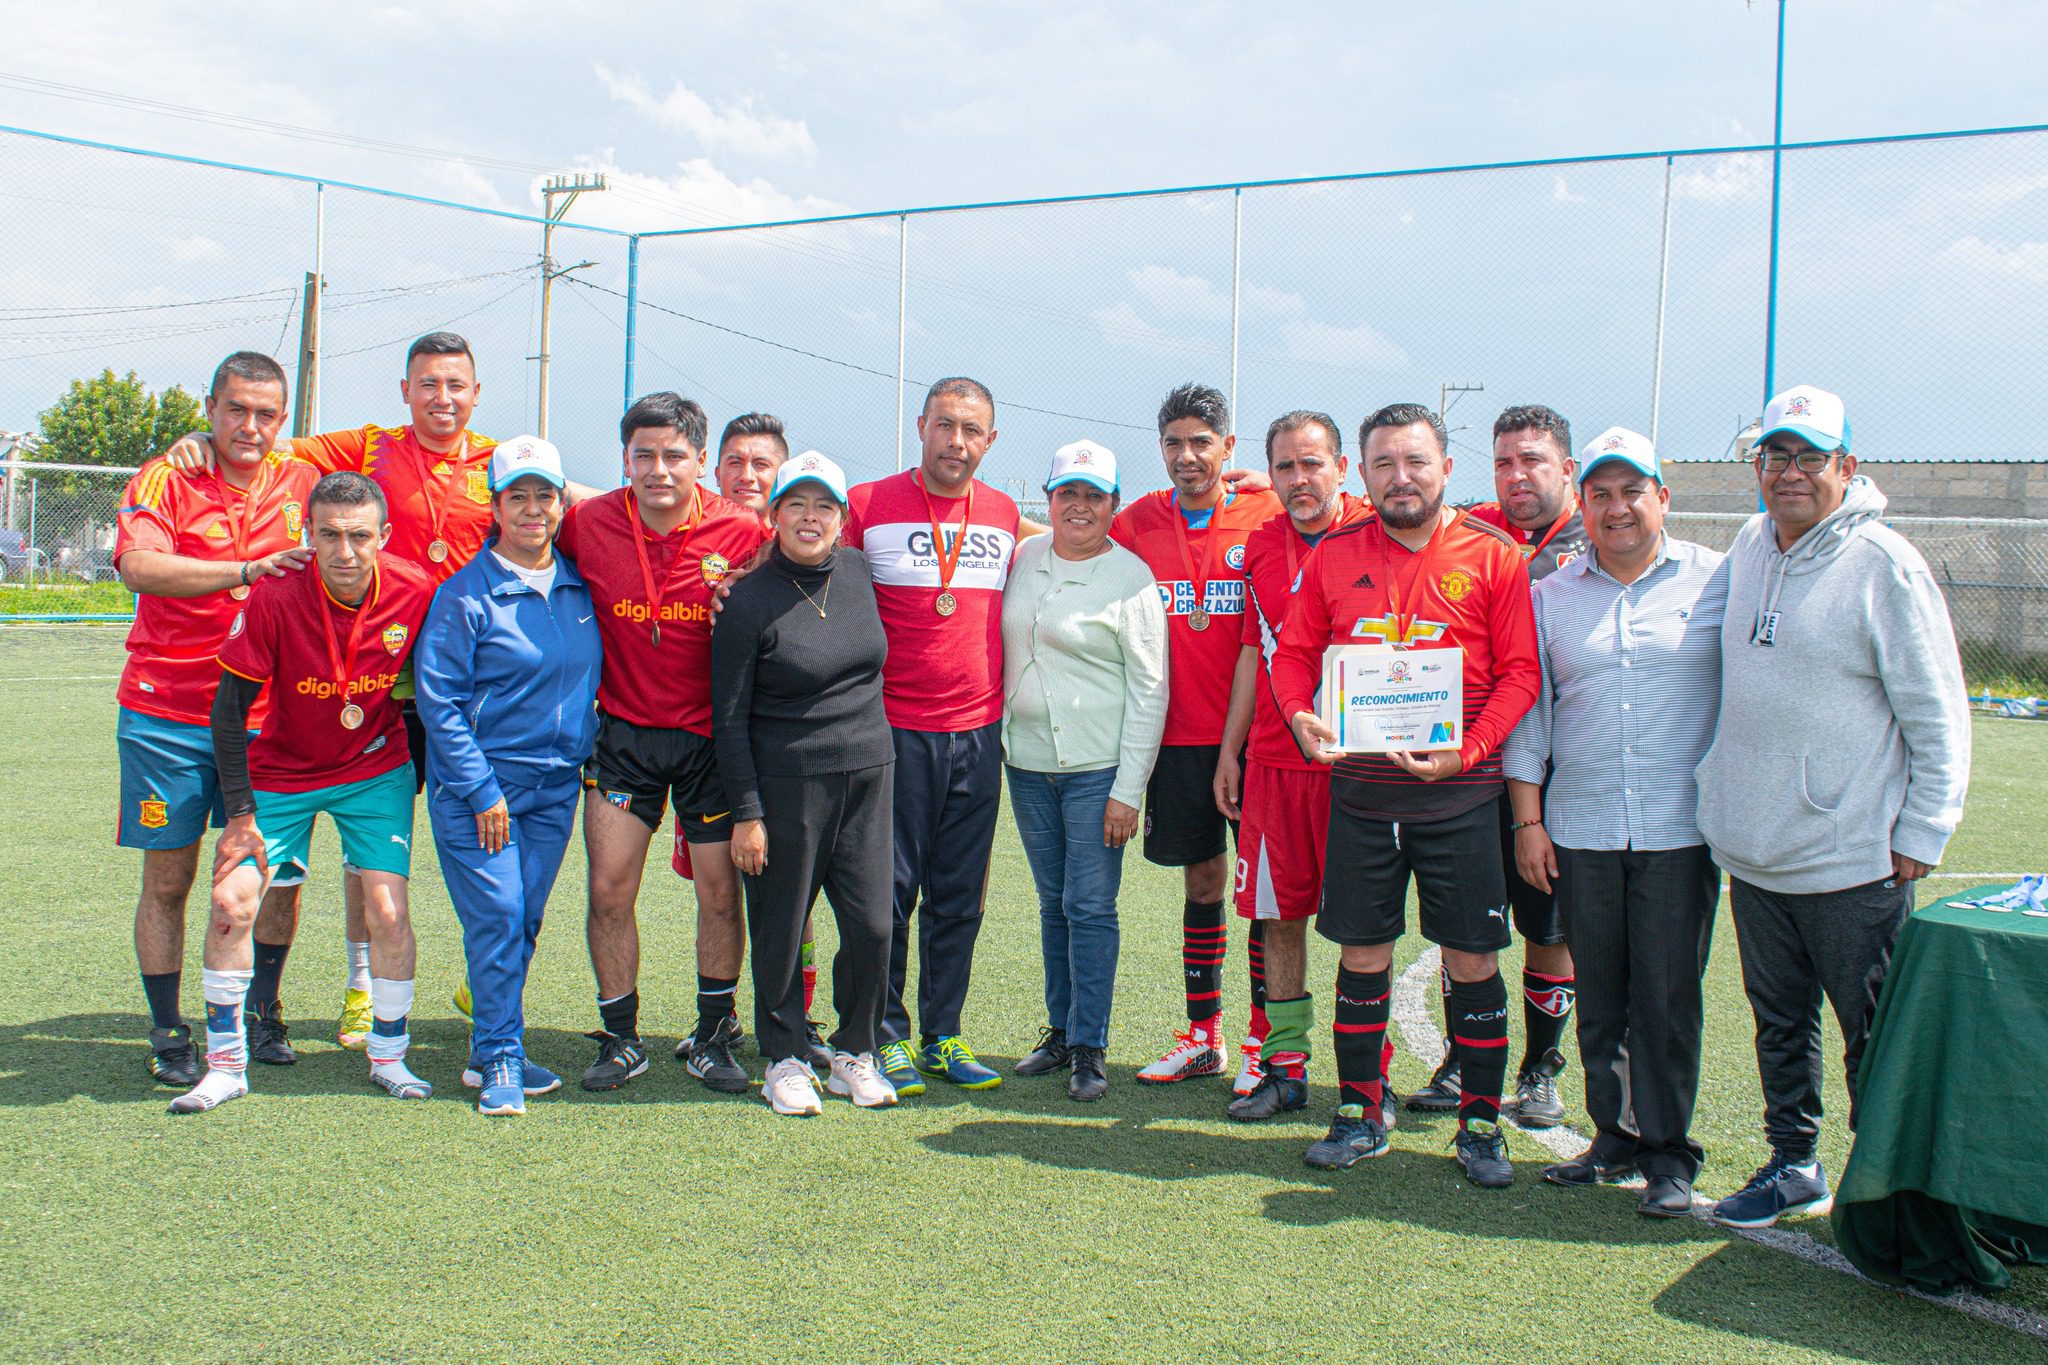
1809,461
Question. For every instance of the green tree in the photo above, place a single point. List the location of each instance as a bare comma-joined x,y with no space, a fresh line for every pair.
116,421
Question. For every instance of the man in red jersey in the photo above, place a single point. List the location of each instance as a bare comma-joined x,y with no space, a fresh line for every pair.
434,474
1193,538
190,547
1281,795
1417,578
1535,504
653,553
939,543
327,648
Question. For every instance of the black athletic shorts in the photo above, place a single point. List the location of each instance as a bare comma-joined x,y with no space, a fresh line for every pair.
1182,825
637,767
1536,916
1457,871
416,740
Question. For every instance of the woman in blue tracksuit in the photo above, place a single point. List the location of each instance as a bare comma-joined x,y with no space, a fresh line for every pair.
507,669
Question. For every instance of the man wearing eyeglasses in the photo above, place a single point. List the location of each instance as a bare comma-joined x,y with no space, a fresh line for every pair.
1837,773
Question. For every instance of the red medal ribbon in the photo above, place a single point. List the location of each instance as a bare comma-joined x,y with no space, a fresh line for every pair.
654,596
1187,552
947,562
1531,551
1293,542
437,515
240,534
1405,621
344,668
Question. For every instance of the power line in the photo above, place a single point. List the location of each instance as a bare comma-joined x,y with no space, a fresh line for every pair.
436,327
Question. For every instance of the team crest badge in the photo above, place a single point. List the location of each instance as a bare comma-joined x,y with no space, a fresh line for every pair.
1798,405
623,800
1614,443
1234,557
395,636
154,814
715,568
1457,585
480,487
294,520
236,629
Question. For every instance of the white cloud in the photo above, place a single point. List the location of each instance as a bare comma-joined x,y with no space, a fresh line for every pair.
1362,347
2027,262
699,194
197,247
1723,179
725,127
1178,294
1561,193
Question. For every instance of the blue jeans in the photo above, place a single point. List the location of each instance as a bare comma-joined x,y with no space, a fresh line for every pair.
1059,819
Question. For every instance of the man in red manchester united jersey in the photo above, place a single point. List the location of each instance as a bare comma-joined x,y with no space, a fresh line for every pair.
1281,796
190,546
652,554
1193,538
1417,578
326,647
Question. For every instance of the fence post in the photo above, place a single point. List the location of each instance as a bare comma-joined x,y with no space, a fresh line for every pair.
1236,293
29,560
1663,297
1777,176
632,311
902,322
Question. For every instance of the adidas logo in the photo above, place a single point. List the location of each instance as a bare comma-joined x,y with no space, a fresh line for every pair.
1364,580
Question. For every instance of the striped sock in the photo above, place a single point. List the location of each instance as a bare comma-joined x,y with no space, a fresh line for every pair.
1255,956
810,961
390,1003
1546,1005
1479,1028
1201,958
1360,1028
715,995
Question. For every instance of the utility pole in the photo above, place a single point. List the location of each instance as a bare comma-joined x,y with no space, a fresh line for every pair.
306,402
1448,394
567,188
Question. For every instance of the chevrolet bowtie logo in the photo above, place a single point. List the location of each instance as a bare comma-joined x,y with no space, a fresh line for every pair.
1386,630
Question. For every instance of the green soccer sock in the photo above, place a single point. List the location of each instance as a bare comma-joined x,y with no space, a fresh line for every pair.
1290,1024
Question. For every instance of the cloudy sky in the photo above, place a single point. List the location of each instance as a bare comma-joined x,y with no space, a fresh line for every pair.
1540,284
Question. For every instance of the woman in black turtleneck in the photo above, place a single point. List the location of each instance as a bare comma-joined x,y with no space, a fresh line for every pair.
803,747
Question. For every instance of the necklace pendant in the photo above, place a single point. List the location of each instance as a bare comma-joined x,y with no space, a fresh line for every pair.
947,604
351,717
655,633
1198,619
438,551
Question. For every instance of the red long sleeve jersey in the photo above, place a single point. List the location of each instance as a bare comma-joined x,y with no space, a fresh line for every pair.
1467,590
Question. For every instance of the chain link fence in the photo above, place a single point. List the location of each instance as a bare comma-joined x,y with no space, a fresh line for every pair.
57,529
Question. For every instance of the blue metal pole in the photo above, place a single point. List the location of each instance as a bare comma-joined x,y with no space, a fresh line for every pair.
1777,174
632,310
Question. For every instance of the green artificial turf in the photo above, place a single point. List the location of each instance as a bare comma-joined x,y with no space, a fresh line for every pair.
320,1220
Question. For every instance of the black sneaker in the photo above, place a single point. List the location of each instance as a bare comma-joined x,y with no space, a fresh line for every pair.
1051,1054
268,1037
1440,1096
1779,1188
1535,1104
711,1061
814,1043
618,1060
1088,1081
1352,1138
1274,1094
171,1059
1483,1152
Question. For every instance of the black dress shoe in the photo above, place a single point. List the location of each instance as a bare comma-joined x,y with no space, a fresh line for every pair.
1667,1196
1051,1054
1588,1169
1274,1094
1088,1081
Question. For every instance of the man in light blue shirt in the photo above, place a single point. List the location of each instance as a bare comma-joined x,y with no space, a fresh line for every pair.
1600,773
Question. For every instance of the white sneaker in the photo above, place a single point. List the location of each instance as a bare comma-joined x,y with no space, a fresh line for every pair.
215,1088
1249,1075
859,1077
791,1087
1192,1054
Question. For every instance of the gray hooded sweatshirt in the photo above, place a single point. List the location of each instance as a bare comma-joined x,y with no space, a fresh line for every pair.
1845,730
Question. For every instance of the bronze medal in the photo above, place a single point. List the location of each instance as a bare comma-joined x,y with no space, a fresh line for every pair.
438,551
947,604
656,633
1198,619
240,592
351,717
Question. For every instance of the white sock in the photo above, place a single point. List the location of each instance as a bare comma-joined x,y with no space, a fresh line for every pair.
358,966
216,1087
390,1003
227,1044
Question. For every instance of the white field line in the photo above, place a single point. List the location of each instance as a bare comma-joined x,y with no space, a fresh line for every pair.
1414,1011
65,677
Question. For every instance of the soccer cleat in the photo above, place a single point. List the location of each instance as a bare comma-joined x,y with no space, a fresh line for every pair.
465,1005
1251,1070
171,1059
791,1088
618,1060
859,1079
353,1032
1483,1152
268,1036
535,1078
1193,1054
1275,1093
1051,1054
950,1059
215,1088
1587,1169
504,1088
1535,1104
898,1070
1440,1096
397,1078
814,1043
1352,1138
1390,1108
711,1061
1088,1081
1778,1189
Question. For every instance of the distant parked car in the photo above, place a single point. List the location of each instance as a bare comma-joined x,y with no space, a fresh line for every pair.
17,555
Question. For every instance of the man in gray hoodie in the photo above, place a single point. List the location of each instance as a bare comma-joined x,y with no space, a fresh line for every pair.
1836,775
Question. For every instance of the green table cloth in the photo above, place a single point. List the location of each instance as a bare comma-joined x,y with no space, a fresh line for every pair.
1947,1183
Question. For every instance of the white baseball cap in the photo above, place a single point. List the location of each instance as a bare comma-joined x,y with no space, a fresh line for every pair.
1622,446
524,455
810,467
1813,415
1083,462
